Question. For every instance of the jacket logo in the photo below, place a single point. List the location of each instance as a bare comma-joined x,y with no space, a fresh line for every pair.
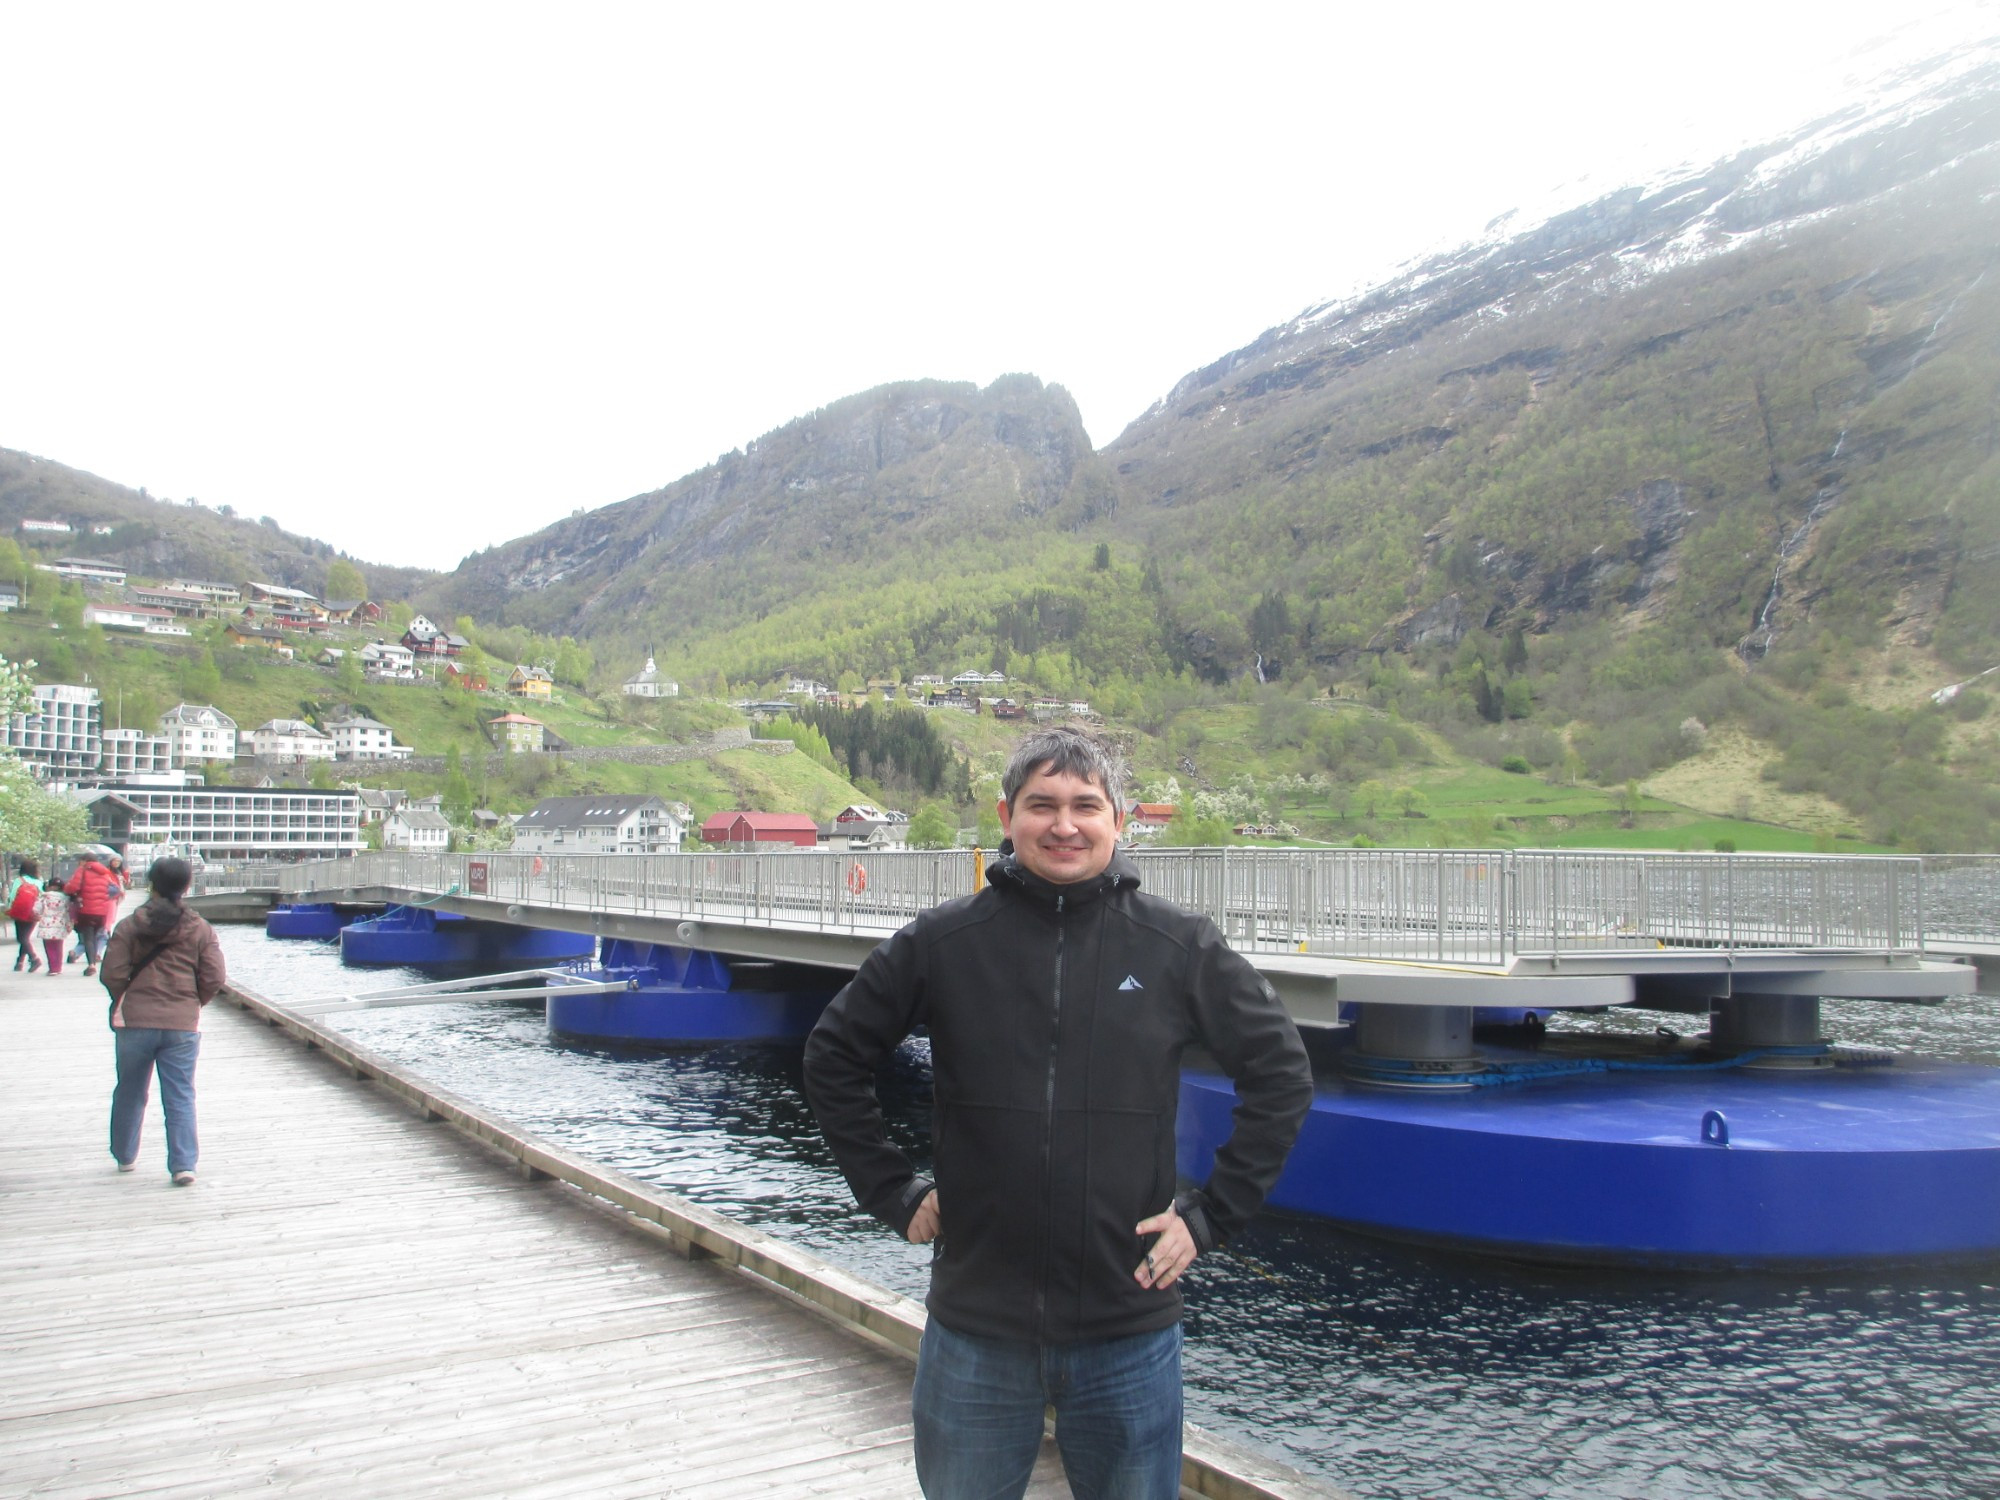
1131,984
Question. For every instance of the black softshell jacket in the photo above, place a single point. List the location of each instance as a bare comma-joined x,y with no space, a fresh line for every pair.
1058,1015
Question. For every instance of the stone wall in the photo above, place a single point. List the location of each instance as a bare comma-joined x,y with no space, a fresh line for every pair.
699,748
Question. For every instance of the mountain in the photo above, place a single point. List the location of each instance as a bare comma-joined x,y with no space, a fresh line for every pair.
1754,400
893,476
160,539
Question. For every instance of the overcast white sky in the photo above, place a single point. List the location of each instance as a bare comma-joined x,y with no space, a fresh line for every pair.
420,278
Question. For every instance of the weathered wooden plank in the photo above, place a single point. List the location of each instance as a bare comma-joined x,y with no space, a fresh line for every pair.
354,1300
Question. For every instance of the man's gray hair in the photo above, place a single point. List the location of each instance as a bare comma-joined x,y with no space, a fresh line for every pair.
1065,752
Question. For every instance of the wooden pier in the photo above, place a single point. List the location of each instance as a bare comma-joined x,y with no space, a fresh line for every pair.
376,1289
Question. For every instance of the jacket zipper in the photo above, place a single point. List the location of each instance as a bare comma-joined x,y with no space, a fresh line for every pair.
1049,1136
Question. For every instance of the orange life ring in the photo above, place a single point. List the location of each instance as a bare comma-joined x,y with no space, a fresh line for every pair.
857,879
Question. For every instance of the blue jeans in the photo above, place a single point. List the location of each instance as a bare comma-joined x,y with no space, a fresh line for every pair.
141,1050
978,1408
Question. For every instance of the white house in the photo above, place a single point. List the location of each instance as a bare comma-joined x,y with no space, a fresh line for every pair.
365,739
290,739
141,617
85,569
198,732
413,828
648,683
600,825
390,660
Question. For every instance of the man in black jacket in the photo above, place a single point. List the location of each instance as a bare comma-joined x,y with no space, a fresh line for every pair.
1059,1002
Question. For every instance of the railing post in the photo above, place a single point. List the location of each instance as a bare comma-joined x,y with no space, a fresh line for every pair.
1921,926
1437,900
1729,899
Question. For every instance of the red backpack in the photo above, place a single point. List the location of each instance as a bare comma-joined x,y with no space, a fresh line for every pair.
26,895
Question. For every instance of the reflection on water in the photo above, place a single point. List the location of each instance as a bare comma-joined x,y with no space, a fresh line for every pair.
1394,1372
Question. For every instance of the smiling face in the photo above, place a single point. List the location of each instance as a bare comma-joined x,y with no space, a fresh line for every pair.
1064,828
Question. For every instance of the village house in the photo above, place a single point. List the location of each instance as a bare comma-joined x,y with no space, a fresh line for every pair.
182,602
464,678
293,741
376,803
521,734
1144,820
10,597
388,661
954,698
531,682
147,621
863,835
287,617
648,683
415,829
359,738
751,830
351,611
274,595
245,636
602,824
85,570
215,593
426,639
197,732
1007,708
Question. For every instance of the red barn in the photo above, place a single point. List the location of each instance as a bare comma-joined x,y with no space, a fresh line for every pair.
750,828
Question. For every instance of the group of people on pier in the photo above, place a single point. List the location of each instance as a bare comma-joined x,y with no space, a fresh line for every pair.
160,967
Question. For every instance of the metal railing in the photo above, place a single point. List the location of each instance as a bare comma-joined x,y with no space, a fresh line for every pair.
1441,905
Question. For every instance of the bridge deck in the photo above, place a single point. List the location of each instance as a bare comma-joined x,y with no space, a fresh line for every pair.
352,1301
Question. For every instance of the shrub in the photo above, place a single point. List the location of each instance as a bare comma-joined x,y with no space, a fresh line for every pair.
1518,764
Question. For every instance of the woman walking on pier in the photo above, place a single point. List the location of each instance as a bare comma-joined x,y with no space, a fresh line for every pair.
162,966
24,902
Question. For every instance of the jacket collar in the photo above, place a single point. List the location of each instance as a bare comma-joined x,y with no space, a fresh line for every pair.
1007,873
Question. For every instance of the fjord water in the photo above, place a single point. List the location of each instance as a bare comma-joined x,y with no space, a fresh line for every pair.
1395,1373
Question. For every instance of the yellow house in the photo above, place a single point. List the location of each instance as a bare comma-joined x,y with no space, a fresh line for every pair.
531,682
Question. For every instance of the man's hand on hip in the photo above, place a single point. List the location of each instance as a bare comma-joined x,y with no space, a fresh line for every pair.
924,1222
1172,1253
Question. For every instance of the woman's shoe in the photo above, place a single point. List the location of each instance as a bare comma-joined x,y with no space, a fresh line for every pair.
34,963
88,970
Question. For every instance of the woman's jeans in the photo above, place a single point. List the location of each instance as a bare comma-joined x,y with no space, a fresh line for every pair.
24,943
141,1050
978,1407
90,939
